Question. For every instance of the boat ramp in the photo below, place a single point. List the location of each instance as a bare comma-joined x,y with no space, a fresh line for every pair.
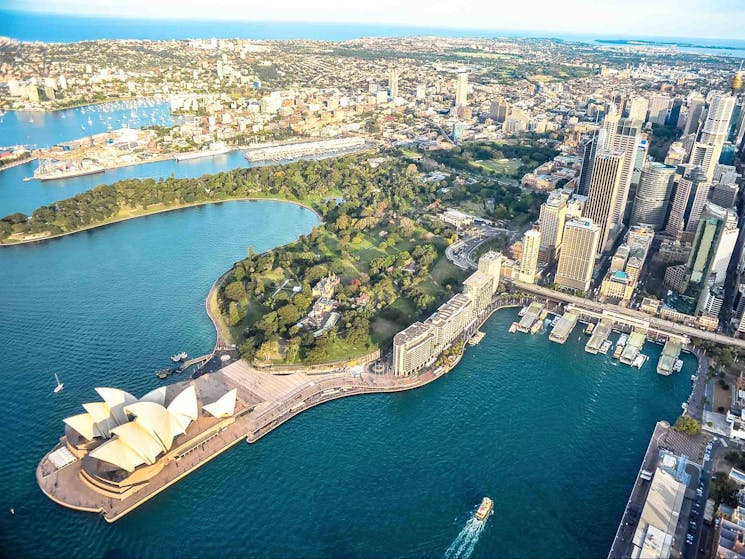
563,328
669,358
599,335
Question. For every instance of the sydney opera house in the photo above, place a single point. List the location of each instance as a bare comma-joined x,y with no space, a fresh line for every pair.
120,448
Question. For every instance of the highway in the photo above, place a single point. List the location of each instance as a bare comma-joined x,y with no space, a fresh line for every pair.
656,323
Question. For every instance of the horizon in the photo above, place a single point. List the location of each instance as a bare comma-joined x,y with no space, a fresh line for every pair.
551,24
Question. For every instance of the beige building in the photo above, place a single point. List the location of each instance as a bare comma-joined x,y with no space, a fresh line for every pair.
529,260
413,348
478,288
577,257
551,223
490,264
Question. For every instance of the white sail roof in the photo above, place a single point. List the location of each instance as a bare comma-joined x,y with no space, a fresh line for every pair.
119,454
224,406
155,419
101,414
139,440
185,403
116,399
158,396
83,424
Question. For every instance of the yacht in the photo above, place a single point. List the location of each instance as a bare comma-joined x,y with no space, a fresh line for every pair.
179,357
60,385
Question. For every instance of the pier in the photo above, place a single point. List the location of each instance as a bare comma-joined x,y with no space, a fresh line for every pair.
531,316
633,348
563,329
599,335
670,354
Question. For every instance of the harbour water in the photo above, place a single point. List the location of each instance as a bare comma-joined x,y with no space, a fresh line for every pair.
555,436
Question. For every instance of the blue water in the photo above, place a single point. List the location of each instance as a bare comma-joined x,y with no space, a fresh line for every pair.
27,26
44,129
548,431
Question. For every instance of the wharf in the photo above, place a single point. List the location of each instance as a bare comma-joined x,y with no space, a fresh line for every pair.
563,329
532,314
670,354
599,335
633,348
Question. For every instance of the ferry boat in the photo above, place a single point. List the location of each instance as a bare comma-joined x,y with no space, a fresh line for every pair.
179,357
618,351
678,365
605,347
485,509
555,321
639,361
589,328
537,327
513,328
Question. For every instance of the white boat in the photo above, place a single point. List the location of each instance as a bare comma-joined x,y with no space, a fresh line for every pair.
59,386
678,365
179,357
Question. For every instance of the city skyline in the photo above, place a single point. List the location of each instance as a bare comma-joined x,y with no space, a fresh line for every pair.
635,19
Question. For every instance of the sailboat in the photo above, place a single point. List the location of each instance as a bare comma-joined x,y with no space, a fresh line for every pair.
60,385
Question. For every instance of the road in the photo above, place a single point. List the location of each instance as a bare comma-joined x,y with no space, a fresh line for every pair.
656,323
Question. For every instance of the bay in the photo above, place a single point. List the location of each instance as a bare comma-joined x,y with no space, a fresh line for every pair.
555,436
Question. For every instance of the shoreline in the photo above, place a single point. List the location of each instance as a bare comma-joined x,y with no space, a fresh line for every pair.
80,105
164,210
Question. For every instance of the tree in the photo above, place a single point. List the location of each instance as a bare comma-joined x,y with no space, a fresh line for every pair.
235,315
723,489
234,290
289,314
688,425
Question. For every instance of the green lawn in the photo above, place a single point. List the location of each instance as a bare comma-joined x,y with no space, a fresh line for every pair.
498,167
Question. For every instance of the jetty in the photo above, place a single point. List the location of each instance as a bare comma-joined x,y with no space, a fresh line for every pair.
563,328
599,335
531,316
632,348
669,357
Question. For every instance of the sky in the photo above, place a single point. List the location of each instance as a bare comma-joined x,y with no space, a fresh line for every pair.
627,18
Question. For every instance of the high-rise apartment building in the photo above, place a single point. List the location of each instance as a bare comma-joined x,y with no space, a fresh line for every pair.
653,195
577,257
461,90
529,260
603,197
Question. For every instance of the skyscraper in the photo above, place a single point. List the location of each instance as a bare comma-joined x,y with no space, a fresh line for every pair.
551,223
393,84
604,191
714,133
659,105
687,190
626,140
461,90
529,260
638,110
653,195
577,257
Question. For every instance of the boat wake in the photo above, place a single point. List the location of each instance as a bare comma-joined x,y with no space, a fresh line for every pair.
464,544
